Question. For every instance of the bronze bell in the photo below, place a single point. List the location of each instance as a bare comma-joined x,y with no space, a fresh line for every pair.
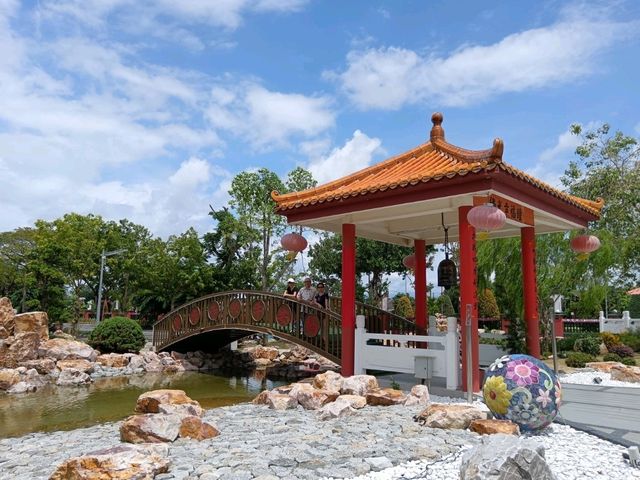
447,273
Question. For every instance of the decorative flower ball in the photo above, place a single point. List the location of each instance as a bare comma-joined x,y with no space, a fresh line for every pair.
522,389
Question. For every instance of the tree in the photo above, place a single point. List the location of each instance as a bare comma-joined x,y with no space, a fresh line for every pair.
487,305
16,250
445,307
634,306
402,306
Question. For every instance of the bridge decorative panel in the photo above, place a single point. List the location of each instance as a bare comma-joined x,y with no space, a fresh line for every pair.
300,323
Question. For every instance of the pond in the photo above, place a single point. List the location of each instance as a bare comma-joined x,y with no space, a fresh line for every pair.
111,399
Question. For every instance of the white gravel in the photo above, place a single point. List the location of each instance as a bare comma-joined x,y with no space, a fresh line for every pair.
585,377
571,455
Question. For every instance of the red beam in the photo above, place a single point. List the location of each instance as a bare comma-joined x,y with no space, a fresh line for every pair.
348,297
421,284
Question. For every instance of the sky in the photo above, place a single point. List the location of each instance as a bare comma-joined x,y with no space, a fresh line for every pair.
147,109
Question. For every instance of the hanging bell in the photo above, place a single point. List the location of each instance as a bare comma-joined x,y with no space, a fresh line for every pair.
447,273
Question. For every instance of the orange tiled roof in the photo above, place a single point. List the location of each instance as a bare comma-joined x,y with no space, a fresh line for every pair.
635,291
432,161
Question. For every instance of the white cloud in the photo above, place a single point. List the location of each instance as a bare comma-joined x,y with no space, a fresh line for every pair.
552,162
390,77
268,118
191,173
355,154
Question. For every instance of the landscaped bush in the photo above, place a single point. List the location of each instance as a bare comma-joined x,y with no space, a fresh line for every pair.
629,361
609,339
622,350
117,335
612,357
588,345
632,339
567,343
579,359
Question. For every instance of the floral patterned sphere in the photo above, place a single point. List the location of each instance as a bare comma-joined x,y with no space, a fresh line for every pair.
522,389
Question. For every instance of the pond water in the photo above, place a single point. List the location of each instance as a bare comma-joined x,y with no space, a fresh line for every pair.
111,399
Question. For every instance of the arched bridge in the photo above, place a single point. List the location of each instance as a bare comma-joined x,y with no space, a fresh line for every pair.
215,320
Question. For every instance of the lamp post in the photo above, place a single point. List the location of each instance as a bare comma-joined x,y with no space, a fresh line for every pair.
103,257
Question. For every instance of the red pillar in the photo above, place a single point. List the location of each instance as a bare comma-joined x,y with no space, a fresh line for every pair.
530,289
558,325
421,284
348,296
468,296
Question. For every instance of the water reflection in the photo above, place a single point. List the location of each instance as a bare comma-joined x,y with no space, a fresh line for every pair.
111,399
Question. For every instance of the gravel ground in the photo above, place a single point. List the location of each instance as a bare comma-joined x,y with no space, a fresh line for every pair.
586,378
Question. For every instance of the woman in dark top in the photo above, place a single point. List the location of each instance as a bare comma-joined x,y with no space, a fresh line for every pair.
322,297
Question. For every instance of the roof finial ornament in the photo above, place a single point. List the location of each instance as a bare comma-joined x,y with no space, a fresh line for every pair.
437,132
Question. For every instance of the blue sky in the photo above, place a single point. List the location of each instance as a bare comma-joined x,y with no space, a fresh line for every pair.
146,110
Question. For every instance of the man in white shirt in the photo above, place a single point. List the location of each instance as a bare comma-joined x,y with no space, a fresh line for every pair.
308,292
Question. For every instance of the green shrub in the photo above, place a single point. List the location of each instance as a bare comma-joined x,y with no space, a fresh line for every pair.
634,306
117,335
622,350
612,357
579,359
567,343
609,339
629,361
562,354
631,339
588,345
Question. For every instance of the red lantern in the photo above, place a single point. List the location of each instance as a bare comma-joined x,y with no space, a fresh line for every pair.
486,217
293,242
585,244
410,261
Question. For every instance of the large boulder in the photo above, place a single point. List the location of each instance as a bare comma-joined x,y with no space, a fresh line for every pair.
18,349
43,366
492,426
184,409
75,364
505,457
124,462
449,416
4,333
72,377
37,322
354,401
149,402
329,380
419,396
359,385
337,409
262,398
193,427
268,353
281,401
62,349
386,397
113,360
603,366
6,315
315,398
625,374
150,428
8,378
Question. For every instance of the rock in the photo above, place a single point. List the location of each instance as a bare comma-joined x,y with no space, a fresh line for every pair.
183,409
113,360
173,368
61,349
22,387
314,399
6,315
21,347
329,380
503,457
491,426
149,402
359,385
75,364
37,322
4,333
268,353
385,397
419,396
60,334
262,362
134,361
150,428
153,367
603,366
378,463
355,401
124,462
262,398
281,401
177,355
187,365
448,416
335,410
71,376
625,374
194,427
8,378
44,366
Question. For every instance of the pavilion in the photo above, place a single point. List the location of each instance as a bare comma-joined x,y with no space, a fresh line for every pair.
405,199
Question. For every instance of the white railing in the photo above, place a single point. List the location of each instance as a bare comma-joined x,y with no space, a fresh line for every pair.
399,352
618,325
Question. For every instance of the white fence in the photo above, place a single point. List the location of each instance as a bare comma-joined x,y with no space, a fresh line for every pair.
618,325
400,352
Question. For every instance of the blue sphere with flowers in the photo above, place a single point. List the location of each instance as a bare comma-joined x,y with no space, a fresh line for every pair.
522,389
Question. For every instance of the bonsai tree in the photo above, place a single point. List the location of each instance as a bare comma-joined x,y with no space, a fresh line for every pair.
445,306
487,305
403,307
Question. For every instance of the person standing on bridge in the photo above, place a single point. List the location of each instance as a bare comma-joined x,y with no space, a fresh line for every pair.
292,290
308,292
322,297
